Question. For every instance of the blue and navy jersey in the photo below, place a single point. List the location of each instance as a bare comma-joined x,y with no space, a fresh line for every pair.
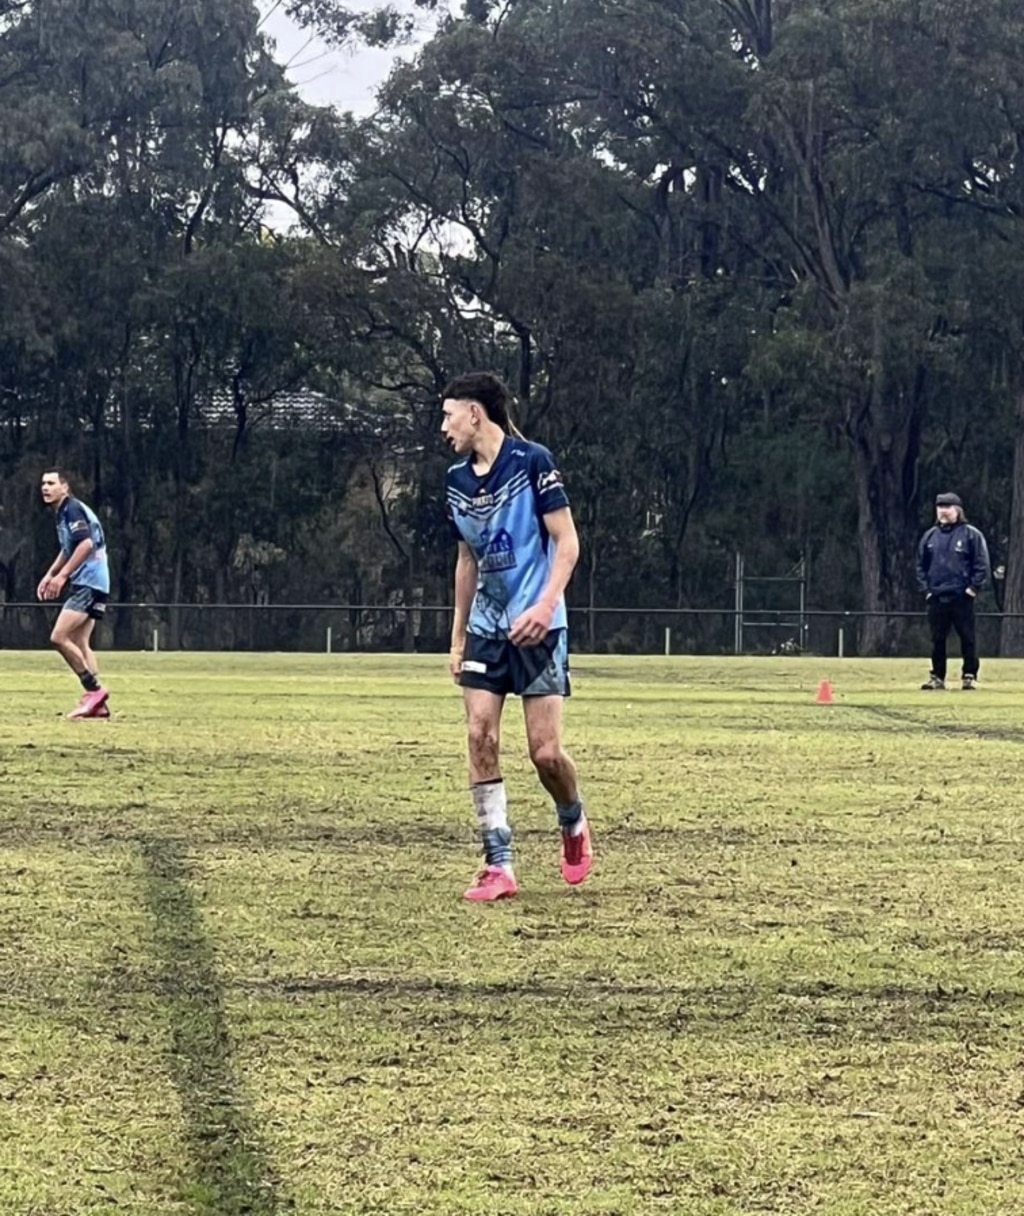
501,517
77,522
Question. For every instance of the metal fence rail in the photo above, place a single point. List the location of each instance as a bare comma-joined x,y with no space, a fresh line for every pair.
395,627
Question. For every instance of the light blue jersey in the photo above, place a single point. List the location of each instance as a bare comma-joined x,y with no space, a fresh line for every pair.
501,517
77,522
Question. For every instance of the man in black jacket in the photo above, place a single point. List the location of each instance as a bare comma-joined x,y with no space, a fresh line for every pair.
952,567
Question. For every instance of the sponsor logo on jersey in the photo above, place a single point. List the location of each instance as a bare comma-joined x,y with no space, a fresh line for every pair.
499,552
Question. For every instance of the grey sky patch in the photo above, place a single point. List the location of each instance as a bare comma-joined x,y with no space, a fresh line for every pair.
325,75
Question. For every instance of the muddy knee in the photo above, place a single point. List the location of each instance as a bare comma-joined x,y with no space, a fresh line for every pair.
483,747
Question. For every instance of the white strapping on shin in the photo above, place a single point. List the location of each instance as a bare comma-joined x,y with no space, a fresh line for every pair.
491,805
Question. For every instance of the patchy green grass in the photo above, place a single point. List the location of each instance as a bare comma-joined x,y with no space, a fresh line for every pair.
238,977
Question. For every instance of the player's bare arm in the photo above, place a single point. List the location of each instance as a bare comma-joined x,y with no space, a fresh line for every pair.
531,627
57,581
44,582
465,589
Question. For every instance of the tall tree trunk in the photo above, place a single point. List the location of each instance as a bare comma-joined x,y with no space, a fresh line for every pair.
123,548
1011,633
592,597
174,621
411,596
885,470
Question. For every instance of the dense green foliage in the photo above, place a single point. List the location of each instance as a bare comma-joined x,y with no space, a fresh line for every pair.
754,268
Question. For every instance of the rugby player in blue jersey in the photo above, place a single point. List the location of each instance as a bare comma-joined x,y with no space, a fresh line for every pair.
81,566
517,547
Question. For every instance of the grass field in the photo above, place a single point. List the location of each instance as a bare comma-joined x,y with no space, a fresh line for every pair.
237,976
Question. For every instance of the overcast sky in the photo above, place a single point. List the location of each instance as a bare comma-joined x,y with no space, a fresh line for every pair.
324,75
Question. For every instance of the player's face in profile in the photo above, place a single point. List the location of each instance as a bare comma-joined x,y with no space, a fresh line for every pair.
52,488
457,424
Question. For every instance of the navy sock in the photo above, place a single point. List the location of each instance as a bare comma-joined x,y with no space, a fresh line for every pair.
569,813
498,846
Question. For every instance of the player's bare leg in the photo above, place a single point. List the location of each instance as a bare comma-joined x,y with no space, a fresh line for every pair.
483,735
65,637
95,702
83,638
557,774
72,637
554,765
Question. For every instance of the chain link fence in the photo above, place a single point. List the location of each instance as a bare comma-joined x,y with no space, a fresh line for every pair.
340,628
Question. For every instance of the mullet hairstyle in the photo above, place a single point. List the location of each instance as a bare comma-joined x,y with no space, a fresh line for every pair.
489,392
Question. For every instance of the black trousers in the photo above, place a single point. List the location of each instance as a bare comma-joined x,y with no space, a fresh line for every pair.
947,612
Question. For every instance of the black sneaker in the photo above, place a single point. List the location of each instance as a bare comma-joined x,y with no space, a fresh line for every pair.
933,681
969,682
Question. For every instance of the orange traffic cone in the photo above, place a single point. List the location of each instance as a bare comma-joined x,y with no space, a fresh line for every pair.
824,696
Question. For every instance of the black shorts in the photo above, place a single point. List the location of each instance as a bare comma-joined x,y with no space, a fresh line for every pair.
496,665
88,600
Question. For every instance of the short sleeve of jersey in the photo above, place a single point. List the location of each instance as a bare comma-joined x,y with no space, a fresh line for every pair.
547,481
78,525
449,511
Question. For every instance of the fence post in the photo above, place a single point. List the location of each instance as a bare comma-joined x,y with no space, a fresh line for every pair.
328,639
840,641
156,640
668,640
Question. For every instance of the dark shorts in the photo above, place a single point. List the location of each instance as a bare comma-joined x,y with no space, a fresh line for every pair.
496,665
88,600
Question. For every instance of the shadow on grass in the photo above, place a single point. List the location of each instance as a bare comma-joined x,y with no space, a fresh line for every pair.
786,1012
927,998
323,837
909,722
230,1175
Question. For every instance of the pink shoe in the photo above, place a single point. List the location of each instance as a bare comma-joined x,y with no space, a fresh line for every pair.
577,855
91,704
492,883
